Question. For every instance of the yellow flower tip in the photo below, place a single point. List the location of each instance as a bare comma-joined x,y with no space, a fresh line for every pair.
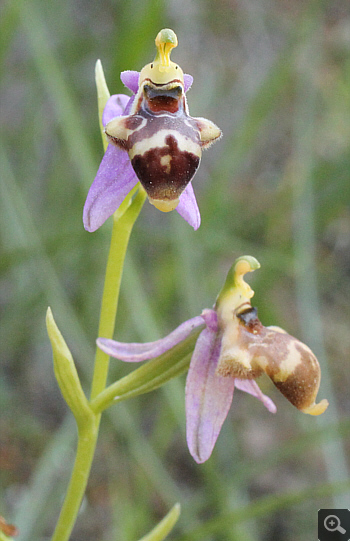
243,265
246,263
165,36
166,40
165,205
317,409
236,291
162,70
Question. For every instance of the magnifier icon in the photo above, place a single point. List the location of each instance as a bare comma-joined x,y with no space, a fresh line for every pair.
332,524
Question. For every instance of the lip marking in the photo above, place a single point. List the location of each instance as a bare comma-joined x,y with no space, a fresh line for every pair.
165,162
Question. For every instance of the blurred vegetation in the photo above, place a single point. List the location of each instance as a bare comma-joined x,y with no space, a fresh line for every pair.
275,76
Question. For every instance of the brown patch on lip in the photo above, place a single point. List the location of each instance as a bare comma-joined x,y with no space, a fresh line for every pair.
301,387
163,100
133,122
234,369
163,103
289,363
165,181
179,122
269,349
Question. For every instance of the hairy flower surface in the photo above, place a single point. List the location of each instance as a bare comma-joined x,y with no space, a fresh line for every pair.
152,140
231,351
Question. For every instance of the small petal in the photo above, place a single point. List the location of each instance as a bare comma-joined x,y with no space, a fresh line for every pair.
188,208
251,387
115,106
208,397
211,319
134,352
188,80
114,180
130,79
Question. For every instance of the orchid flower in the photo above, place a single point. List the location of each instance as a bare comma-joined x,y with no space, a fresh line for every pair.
231,351
152,140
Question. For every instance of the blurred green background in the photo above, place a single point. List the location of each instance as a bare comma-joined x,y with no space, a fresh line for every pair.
275,76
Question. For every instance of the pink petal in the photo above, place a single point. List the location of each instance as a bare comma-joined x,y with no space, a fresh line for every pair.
211,319
134,352
115,106
188,80
208,397
188,208
114,180
250,386
130,79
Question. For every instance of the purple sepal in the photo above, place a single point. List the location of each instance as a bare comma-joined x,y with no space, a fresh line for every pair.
188,208
114,180
135,352
115,106
211,319
208,397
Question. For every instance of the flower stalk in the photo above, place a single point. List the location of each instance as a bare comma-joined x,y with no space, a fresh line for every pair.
147,378
89,426
88,421
122,227
152,149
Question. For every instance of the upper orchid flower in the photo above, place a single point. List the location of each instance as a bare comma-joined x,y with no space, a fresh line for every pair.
232,350
152,140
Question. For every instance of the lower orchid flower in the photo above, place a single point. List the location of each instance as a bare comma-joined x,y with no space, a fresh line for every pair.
232,350
152,140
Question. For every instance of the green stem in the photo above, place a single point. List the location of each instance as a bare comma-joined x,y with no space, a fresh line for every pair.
87,439
88,430
122,227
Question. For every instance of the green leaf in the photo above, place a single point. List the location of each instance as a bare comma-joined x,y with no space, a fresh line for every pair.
66,373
